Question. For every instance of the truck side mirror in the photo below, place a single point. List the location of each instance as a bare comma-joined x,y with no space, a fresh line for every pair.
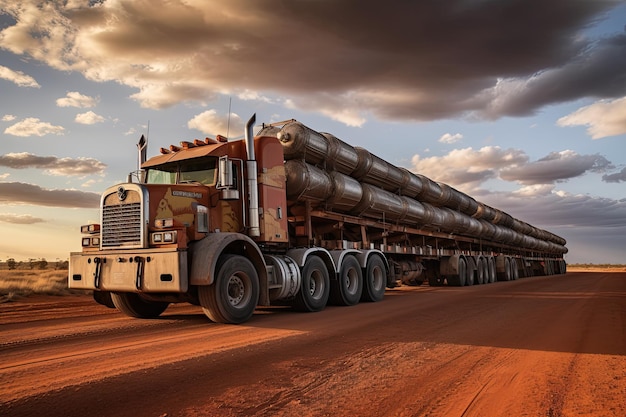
226,181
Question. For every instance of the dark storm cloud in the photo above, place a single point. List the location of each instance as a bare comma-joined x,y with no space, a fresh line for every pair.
53,164
556,167
22,193
422,60
616,177
563,210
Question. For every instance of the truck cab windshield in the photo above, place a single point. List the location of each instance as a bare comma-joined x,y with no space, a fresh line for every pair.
201,171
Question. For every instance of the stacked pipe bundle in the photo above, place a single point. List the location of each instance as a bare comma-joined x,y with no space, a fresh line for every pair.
323,168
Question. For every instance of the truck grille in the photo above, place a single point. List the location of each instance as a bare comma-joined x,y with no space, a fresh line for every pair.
121,225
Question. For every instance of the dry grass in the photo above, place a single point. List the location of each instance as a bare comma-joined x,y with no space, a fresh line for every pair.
21,283
595,268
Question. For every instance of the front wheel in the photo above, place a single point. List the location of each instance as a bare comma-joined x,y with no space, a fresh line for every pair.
315,288
234,294
133,305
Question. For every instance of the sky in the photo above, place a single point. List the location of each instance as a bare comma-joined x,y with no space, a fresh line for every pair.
520,104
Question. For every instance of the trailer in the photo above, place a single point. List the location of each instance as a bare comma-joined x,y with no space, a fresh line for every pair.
291,216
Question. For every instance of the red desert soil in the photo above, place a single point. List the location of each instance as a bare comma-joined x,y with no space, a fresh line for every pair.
544,346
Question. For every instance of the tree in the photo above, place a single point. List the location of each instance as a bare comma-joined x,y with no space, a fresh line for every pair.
43,264
11,263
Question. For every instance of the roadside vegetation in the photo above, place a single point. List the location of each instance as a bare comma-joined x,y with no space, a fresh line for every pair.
34,276
597,267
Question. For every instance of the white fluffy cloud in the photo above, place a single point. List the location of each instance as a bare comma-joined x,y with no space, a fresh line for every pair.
76,99
18,77
88,118
604,118
209,122
468,168
450,138
32,126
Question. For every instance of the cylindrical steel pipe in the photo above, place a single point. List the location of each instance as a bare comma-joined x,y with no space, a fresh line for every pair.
358,182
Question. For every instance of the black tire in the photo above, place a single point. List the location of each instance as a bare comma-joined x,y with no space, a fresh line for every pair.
507,269
374,280
315,288
480,272
514,269
469,274
133,305
234,294
104,298
491,270
460,278
347,289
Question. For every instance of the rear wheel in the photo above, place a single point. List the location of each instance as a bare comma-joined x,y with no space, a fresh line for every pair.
514,269
484,265
460,278
134,305
234,294
469,275
480,272
507,269
348,287
375,280
491,268
315,289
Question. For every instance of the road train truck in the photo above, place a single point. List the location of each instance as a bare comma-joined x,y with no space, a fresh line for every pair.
293,217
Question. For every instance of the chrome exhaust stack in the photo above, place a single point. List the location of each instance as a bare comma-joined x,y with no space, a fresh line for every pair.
253,190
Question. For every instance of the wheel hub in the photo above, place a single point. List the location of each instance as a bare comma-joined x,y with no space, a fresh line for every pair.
236,290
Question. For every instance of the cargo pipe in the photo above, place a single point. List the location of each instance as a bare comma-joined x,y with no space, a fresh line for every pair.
253,192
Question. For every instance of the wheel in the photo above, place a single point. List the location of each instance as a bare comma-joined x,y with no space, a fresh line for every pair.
315,289
460,279
469,275
507,269
104,298
133,305
491,264
484,265
234,294
348,287
514,269
375,280
480,272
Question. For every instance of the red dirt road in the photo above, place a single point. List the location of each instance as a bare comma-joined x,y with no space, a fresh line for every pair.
545,346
